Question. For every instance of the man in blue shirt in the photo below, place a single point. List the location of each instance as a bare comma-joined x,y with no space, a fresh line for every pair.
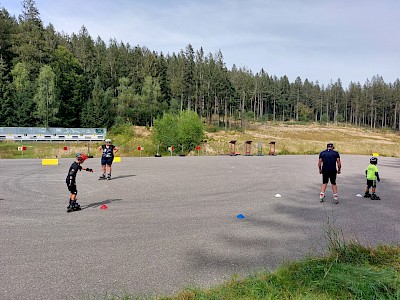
328,159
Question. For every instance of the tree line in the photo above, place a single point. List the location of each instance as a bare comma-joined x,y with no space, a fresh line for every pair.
53,79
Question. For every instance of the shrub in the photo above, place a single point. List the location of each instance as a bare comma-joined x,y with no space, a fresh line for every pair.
184,130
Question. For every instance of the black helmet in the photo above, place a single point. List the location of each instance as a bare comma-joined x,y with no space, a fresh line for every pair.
373,160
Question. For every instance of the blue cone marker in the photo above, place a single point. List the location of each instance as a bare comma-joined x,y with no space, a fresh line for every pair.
240,216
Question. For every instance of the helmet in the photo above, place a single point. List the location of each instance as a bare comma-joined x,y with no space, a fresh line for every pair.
108,141
373,160
81,157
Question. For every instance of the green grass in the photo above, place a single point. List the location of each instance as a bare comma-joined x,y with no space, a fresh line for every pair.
348,271
352,271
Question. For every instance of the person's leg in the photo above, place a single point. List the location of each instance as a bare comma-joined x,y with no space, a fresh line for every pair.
323,186
109,167
103,168
369,184
334,187
335,194
374,196
74,203
72,197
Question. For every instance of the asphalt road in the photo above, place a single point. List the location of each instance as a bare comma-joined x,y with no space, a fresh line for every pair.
172,222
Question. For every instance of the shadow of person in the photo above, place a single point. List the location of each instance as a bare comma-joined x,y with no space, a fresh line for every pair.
98,204
122,176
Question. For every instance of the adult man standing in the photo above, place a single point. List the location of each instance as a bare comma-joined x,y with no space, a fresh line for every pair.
107,158
328,159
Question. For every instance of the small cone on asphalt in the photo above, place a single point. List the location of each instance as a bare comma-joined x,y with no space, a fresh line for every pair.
104,207
240,216
278,196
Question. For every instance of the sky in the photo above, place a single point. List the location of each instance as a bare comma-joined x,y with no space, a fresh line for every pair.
318,40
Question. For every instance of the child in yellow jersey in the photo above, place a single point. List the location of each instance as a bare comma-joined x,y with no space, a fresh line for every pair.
372,176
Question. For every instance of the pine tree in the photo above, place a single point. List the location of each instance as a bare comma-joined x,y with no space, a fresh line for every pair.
47,105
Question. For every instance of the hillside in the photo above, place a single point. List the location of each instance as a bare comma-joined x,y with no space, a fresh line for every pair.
289,139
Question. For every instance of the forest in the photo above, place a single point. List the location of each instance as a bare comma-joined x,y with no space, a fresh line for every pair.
52,79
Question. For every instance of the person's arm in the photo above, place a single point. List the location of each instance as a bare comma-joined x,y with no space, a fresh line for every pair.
70,177
116,149
377,176
339,165
100,148
320,165
88,169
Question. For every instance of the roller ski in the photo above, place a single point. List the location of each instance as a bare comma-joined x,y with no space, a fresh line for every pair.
375,197
74,206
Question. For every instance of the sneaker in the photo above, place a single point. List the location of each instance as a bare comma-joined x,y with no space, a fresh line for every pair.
335,198
322,196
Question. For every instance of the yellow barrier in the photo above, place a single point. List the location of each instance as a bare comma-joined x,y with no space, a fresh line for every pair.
117,159
49,161
375,154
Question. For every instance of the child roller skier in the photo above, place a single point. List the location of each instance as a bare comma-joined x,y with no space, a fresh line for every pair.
372,176
107,158
71,181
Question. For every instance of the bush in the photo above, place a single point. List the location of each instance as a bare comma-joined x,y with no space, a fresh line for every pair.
190,130
184,130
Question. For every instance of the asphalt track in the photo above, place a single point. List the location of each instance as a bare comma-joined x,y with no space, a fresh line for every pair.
172,222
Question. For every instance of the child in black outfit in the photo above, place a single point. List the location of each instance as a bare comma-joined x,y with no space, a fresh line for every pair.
71,181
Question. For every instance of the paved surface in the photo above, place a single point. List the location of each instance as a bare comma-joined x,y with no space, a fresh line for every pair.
171,221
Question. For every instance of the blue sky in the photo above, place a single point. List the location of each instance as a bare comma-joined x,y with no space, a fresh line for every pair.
315,39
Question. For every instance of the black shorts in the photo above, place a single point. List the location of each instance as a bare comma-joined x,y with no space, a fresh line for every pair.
371,183
107,161
72,188
329,176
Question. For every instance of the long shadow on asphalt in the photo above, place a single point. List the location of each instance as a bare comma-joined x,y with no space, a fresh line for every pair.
97,204
358,219
122,176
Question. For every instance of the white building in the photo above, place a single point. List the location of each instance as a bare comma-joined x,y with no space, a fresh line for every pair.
51,134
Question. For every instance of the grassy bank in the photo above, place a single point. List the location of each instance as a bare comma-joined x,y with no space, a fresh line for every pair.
348,271
309,139
289,138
